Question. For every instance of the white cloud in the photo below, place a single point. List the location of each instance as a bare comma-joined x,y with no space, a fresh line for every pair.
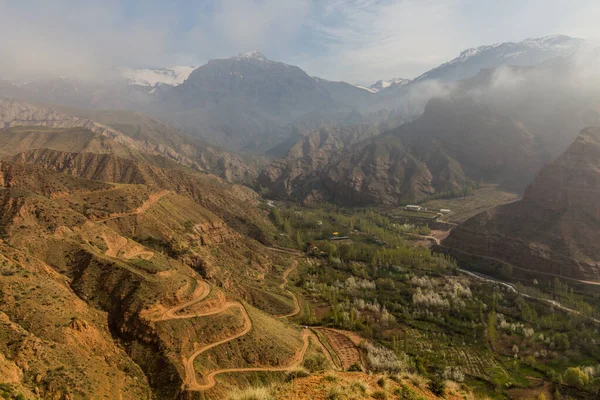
359,41
73,38
368,40
385,39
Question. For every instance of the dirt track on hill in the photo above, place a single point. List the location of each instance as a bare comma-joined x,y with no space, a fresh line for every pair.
190,381
282,286
152,199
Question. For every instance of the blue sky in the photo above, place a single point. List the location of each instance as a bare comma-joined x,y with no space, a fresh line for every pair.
359,41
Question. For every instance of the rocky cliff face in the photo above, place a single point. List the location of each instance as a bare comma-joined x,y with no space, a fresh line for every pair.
555,228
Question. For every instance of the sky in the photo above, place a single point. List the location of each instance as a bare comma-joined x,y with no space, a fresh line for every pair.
358,41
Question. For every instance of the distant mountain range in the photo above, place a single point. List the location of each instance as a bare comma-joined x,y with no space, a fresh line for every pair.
480,130
252,104
393,142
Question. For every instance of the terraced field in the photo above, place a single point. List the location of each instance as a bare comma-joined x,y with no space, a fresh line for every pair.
345,349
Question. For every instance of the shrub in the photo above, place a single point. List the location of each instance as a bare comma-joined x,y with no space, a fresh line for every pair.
330,378
437,386
530,360
334,393
316,363
406,393
295,374
418,380
382,382
379,395
359,387
355,367
253,393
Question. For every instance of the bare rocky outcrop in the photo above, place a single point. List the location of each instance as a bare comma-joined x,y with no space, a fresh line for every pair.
555,228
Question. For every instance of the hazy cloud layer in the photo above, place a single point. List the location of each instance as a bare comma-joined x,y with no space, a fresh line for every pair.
354,40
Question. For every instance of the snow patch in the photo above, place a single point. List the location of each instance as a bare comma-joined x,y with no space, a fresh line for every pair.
172,76
382,84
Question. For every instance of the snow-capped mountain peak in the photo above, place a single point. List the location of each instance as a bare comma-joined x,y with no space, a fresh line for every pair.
151,77
527,52
251,55
382,84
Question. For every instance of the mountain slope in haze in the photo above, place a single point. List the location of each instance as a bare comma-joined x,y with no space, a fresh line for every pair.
555,228
527,52
456,142
126,134
236,101
297,173
500,126
551,99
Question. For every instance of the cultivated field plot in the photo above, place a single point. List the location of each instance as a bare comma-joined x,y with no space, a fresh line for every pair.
463,208
437,349
346,351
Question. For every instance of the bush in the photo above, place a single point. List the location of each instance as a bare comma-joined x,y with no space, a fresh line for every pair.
418,380
359,387
355,367
316,363
530,360
334,393
253,393
379,395
295,374
437,386
406,393
330,378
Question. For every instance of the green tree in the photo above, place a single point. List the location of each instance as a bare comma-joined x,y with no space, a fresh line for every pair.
492,327
562,341
574,376
299,241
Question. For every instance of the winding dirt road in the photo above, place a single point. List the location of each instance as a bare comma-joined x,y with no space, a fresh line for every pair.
145,206
191,382
285,275
295,362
